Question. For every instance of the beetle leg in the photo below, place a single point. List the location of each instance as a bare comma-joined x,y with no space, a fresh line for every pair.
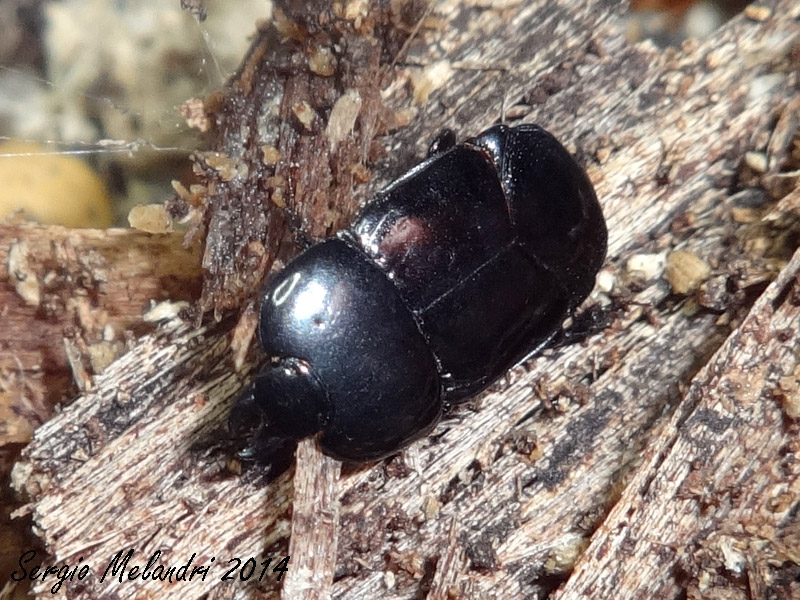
269,450
591,321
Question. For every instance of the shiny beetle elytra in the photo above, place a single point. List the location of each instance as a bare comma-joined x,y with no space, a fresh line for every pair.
464,266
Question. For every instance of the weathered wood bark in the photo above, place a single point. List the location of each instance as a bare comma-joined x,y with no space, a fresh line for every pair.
292,136
658,459
712,507
86,290
72,301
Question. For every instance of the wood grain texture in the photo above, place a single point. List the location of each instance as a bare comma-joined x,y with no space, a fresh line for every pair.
657,459
80,289
714,499
315,522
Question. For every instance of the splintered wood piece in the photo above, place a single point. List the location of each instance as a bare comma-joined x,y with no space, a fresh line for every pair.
315,523
714,498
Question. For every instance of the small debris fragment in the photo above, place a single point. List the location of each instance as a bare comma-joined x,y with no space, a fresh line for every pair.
389,580
758,12
164,311
686,272
713,60
277,198
714,294
744,214
243,334
271,155
356,9
603,154
322,62
193,196
79,374
226,168
305,114
343,117
757,161
194,111
646,267
431,507
732,555
605,281
151,218
517,112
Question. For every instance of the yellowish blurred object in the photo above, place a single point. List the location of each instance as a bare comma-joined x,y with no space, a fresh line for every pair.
51,188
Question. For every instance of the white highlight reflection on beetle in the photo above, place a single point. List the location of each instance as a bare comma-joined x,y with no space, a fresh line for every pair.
285,289
311,299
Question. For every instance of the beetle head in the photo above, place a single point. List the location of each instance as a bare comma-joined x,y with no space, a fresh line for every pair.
285,403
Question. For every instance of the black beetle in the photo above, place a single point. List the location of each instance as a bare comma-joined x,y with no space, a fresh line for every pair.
462,267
